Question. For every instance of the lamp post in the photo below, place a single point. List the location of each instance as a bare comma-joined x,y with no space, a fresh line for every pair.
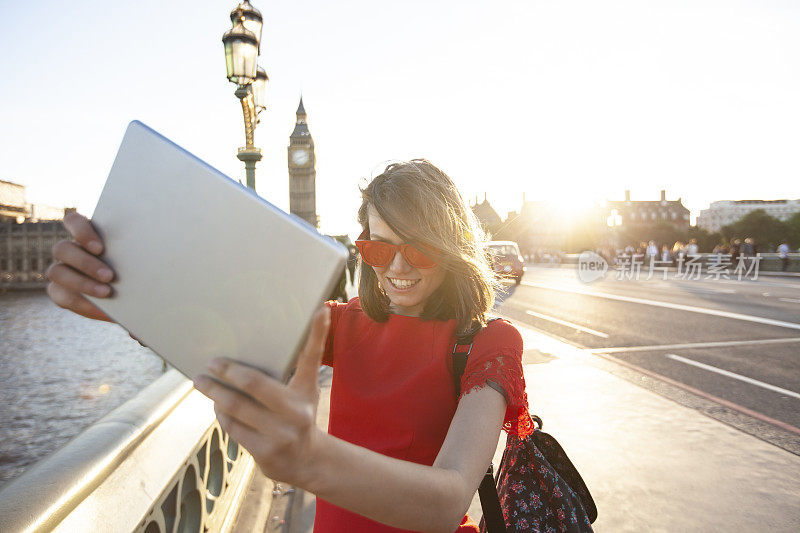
242,45
614,222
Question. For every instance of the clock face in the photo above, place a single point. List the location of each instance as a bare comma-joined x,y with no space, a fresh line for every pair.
300,157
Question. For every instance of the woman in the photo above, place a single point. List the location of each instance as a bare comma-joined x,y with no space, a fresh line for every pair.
402,452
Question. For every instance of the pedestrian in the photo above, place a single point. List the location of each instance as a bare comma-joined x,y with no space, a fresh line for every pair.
652,251
340,291
402,452
666,257
783,252
691,248
678,252
748,248
352,260
717,253
736,250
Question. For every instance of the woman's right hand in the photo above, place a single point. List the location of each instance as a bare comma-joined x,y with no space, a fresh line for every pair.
78,270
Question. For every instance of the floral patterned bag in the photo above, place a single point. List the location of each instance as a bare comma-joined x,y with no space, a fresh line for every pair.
537,488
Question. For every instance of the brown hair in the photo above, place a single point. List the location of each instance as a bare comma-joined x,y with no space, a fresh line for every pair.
421,204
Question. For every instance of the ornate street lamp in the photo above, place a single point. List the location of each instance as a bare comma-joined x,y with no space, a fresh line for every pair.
241,50
242,43
250,18
260,89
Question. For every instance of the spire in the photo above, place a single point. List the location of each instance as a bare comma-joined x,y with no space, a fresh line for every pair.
301,128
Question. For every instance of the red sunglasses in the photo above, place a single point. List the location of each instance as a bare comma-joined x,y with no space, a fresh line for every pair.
380,254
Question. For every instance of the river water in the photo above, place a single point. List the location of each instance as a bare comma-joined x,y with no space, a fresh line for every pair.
59,373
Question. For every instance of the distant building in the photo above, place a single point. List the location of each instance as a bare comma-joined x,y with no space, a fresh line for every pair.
540,227
26,251
537,225
727,212
487,216
12,202
27,235
632,213
14,208
302,174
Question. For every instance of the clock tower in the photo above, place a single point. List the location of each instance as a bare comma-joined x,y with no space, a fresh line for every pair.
302,176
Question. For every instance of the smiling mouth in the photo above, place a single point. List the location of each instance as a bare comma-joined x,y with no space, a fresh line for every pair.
403,283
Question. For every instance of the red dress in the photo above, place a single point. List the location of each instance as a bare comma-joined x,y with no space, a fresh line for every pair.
393,392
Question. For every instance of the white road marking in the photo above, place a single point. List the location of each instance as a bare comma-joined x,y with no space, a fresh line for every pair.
790,300
711,291
568,324
673,285
734,375
715,344
760,281
669,305
561,348
547,342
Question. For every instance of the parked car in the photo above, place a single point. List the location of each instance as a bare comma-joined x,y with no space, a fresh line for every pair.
506,259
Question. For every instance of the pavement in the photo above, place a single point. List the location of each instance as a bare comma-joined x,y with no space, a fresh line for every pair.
653,464
653,459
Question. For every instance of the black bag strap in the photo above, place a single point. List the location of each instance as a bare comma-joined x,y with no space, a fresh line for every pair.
490,503
487,492
461,352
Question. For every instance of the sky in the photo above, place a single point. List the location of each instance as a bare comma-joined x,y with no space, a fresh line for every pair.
571,102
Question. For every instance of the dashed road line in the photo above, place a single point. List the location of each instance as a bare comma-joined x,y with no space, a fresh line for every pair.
704,394
711,344
559,347
568,324
708,291
668,305
734,375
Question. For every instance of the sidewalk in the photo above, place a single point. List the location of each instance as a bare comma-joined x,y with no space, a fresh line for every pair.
653,464
650,463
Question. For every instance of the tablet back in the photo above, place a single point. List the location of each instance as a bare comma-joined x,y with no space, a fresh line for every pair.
204,266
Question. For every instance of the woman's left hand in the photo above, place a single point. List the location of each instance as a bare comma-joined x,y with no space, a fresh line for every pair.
277,424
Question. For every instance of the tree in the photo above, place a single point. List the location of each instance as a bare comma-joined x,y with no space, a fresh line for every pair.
661,232
767,231
793,231
705,241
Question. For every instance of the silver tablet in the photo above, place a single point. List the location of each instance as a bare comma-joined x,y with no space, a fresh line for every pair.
204,266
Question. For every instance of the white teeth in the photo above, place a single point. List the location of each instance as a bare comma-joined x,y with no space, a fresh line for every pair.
403,283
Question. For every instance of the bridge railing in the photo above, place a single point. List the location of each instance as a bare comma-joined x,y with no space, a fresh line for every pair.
158,463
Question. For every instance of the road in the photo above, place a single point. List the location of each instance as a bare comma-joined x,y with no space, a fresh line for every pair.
735,342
